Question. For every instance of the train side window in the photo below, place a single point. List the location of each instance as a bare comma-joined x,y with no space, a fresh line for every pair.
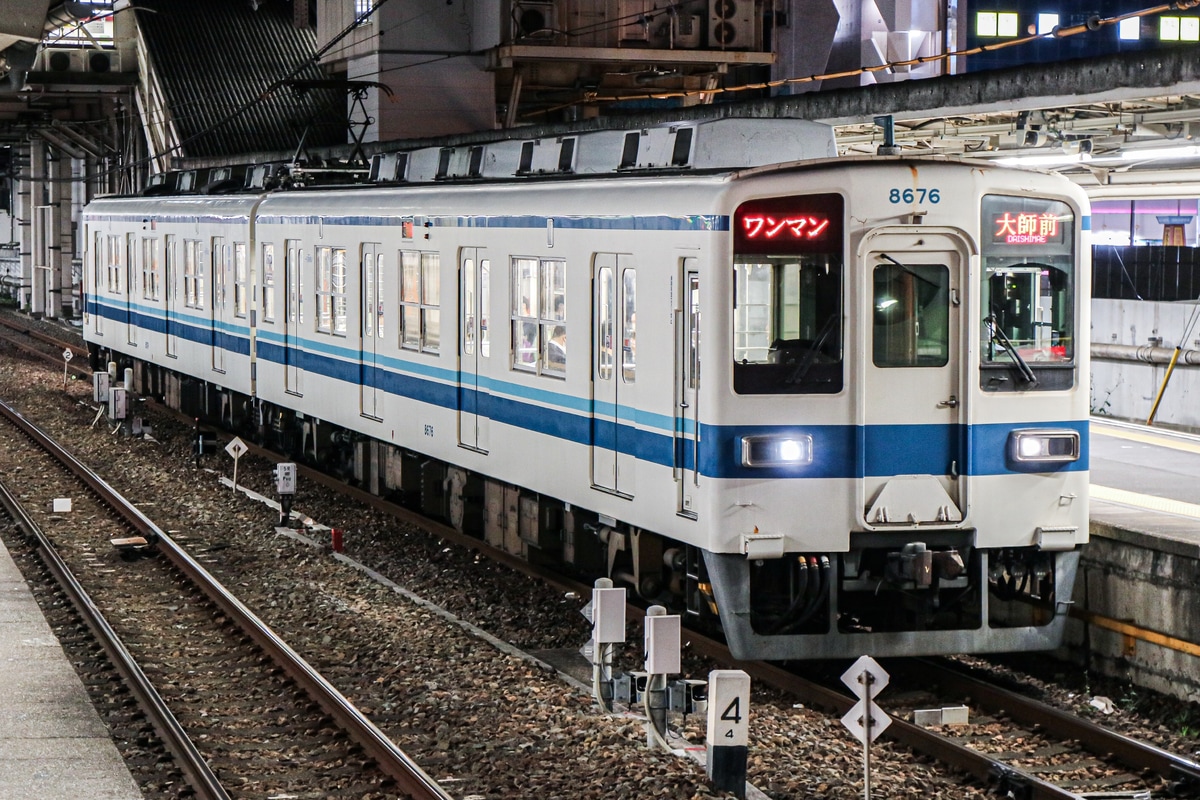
605,324
114,264
524,314
193,278
554,316
485,300
628,325
339,291
372,277
220,264
325,289
431,301
97,265
420,301
150,269
268,282
468,305
241,280
331,290
539,315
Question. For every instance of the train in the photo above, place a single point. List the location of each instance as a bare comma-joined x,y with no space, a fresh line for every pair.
827,406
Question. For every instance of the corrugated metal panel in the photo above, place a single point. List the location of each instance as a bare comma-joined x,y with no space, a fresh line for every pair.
220,62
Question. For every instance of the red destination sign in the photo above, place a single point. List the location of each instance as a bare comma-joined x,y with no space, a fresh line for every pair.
789,225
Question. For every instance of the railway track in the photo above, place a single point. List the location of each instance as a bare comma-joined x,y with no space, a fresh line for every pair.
44,346
258,711
1022,748
1013,771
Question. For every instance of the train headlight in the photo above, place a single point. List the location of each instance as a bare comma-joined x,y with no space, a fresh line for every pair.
1031,446
772,450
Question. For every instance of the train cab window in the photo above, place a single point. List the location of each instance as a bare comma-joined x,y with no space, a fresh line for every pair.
911,305
787,298
420,301
1027,294
539,315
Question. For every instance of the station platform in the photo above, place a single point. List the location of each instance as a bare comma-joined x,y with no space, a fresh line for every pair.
1138,583
1145,486
53,745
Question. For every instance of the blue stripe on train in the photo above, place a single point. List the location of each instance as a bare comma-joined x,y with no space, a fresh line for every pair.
839,451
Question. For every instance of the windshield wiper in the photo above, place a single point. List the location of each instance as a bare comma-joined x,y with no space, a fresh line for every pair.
998,335
810,356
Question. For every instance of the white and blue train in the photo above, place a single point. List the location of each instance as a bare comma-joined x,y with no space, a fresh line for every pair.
834,406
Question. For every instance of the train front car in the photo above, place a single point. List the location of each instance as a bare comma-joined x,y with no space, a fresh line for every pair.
900,456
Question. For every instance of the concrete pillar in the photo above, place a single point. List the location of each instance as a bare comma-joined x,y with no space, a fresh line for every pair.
60,237
29,197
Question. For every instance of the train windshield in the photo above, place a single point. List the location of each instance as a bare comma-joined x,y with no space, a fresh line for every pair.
1027,294
787,277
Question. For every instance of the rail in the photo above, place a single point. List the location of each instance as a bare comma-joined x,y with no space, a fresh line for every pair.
193,765
1099,740
409,776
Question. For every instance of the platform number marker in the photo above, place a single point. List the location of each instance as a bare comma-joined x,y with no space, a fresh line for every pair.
866,720
236,448
728,729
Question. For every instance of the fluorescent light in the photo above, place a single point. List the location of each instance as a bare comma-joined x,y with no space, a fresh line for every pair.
1168,29
1047,23
1056,159
1130,30
1006,24
985,23
1189,29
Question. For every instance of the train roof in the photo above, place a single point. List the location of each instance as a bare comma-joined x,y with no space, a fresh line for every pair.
716,146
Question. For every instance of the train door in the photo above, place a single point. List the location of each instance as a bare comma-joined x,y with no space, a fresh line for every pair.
130,284
687,390
170,315
293,317
911,444
372,329
220,261
101,264
474,348
614,372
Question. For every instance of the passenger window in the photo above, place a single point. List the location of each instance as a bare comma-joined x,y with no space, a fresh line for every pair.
539,315
628,325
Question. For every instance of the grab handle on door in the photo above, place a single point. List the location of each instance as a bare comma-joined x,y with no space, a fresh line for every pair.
951,403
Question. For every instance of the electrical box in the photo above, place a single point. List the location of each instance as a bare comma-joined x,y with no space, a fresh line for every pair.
608,615
285,478
663,638
100,387
118,405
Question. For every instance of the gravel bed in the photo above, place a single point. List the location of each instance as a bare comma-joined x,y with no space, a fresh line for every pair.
492,725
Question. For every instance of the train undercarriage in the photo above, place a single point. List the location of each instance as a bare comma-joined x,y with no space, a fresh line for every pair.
901,593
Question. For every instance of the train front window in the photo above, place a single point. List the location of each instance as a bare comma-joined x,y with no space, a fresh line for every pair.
1027,294
787,276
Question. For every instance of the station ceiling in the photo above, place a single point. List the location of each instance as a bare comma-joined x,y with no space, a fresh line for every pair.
1111,120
